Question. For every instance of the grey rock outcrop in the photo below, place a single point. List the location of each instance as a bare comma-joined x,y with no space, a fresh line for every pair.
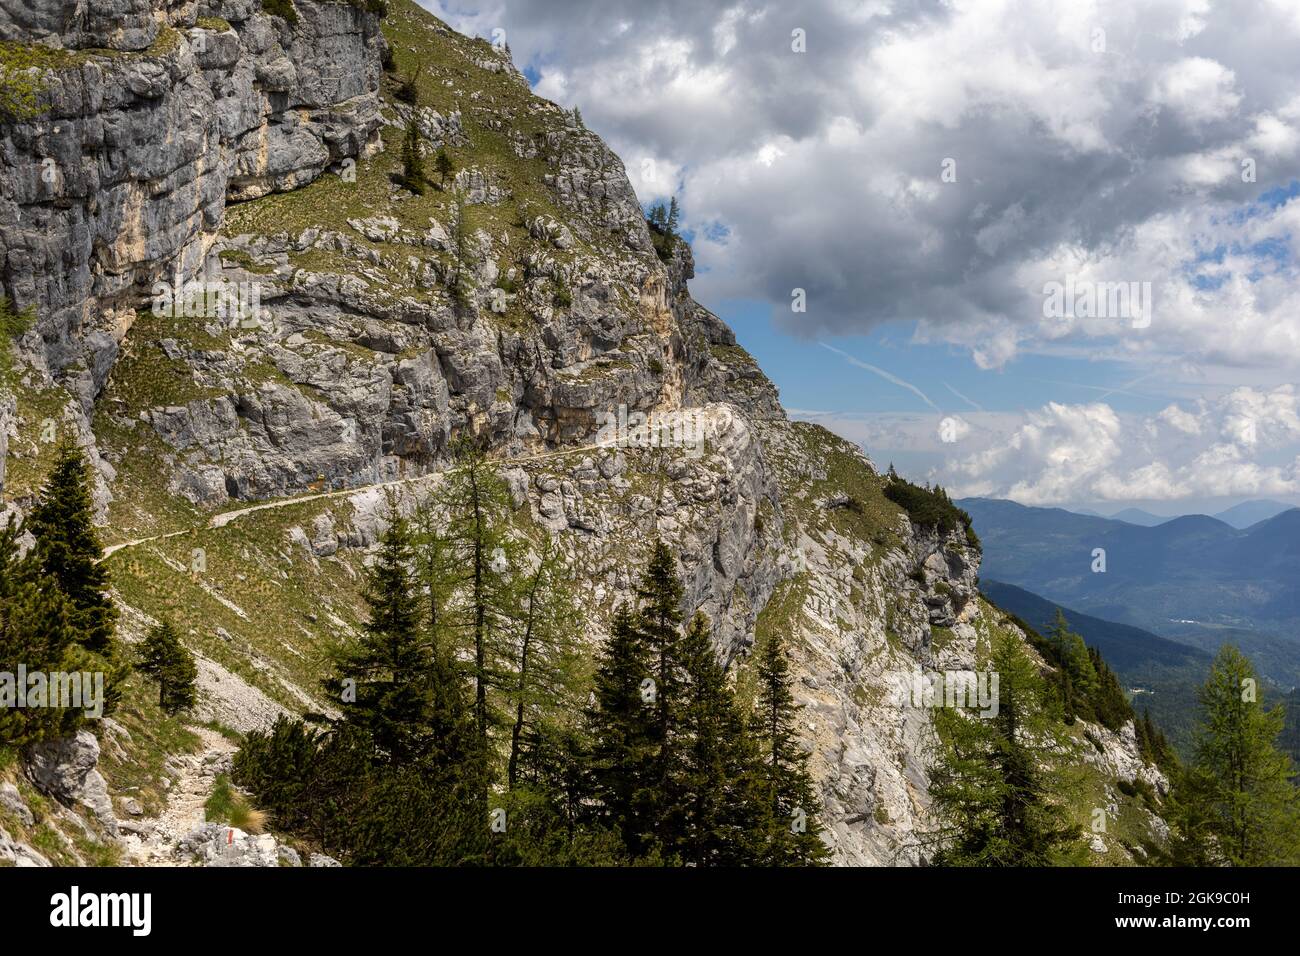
66,769
16,853
214,844
123,176
11,800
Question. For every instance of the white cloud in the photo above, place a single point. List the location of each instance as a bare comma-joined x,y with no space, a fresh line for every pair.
1239,444
1185,422
824,167
1198,89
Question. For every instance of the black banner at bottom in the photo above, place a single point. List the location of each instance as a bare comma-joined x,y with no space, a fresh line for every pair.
139,907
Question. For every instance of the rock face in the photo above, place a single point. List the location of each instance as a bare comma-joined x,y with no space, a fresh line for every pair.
523,302
215,844
123,176
66,770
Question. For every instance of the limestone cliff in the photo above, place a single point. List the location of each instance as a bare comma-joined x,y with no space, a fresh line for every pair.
523,300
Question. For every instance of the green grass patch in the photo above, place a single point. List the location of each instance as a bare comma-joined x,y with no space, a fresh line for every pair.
229,806
281,8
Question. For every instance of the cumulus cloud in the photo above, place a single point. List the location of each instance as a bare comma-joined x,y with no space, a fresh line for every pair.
1197,89
1239,444
1116,142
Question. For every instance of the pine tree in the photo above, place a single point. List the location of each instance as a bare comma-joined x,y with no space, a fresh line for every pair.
462,280
659,621
1110,703
621,727
674,213
69,550
164,658
988,786
442,162
485,604
722,801
792,834
386,681
37,630
413,177
1238,792
1143,737
1078,679
448,717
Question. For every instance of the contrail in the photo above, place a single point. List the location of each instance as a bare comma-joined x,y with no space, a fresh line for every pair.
973,404
1127,385
887,376
1106,390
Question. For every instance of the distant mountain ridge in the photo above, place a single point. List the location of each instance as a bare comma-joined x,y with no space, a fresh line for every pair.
1139,517
1250,513
1193,571
1240,516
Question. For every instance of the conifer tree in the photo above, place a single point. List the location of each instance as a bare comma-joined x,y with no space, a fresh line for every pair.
413,177
1238,800
792,833
449,718
442,162
408,89
1143,738
385,682
1078,679
621,726
722,801
1110,703
546,671
69,550
990,791
462,279
485,605
659,621
164,658
36,630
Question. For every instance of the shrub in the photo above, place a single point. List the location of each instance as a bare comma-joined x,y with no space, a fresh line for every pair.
13,322
284,9
408,91
929,507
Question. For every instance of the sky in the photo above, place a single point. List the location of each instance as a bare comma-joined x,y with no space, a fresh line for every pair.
1036,250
